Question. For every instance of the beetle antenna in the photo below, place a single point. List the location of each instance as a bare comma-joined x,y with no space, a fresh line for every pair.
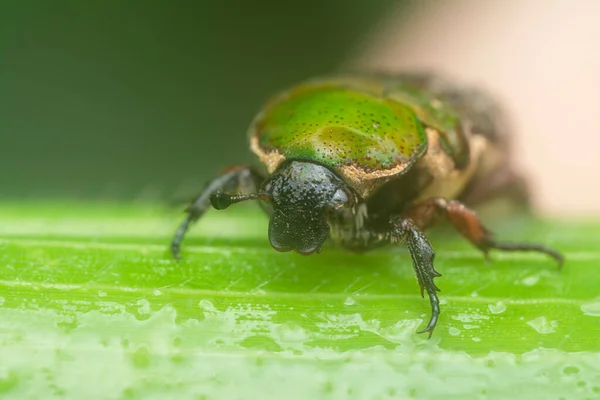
221,201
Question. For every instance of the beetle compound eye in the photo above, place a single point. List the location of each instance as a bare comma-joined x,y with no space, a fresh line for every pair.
339,199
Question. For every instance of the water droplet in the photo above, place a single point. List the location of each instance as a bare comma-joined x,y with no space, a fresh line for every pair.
2,300
141,358
542,325
157,292
591,309
454,331
101,293
476,339
350,301
144,308
497,308
464,317
531,280
288,333
207,305
570,370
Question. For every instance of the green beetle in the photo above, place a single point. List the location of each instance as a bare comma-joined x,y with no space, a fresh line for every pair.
371,160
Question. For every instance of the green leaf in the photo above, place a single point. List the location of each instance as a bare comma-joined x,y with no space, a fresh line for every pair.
93,306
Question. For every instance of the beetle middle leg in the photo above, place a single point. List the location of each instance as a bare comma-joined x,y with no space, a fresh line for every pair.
236,178
467,223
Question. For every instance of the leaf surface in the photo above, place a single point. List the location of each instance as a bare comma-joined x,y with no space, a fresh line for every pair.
93,306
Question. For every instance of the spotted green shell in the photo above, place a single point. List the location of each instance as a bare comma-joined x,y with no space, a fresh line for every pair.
337,125
437,105
366,128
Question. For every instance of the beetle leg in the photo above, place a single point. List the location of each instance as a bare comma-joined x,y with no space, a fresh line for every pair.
422,255
234,179
468,225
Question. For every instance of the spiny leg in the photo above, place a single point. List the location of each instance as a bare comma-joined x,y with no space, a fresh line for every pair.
235,179
468,225
422,255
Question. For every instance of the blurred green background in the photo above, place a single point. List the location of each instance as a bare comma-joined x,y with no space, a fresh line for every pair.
145,99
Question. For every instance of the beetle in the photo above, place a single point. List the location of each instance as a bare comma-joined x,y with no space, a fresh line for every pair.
374,159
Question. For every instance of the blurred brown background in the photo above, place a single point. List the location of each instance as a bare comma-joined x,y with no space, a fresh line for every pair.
541,58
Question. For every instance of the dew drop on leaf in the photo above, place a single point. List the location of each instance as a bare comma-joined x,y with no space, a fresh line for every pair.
497,308
591,309
350,301
542,325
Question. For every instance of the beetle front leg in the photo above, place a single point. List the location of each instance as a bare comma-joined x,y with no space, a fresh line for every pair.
467,223
422,255
234,179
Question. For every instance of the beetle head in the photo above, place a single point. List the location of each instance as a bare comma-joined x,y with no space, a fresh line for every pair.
301,194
